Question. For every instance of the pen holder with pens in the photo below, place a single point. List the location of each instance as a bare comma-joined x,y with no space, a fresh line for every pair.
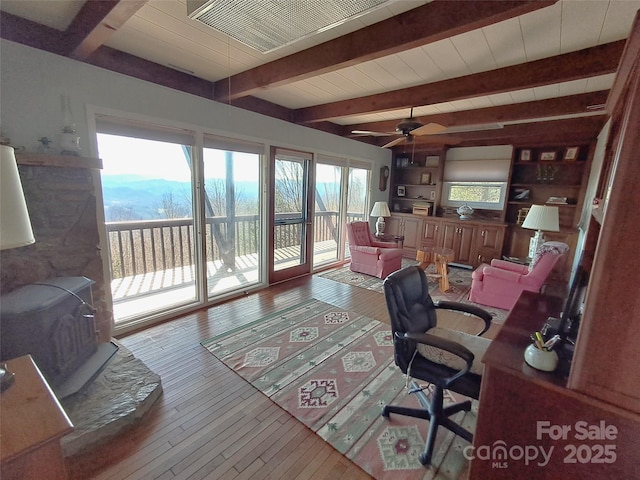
541,359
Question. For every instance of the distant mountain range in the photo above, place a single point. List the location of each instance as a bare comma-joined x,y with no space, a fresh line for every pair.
134,197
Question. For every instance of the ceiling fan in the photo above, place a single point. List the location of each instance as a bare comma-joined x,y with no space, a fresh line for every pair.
409,128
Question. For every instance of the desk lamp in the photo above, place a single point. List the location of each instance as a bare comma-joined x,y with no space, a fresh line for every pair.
380,210
539,218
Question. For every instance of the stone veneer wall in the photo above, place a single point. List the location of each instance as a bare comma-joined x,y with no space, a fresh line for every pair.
62,205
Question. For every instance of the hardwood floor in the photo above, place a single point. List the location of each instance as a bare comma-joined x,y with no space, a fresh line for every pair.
210,423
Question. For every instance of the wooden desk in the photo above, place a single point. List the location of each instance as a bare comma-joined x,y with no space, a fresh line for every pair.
514,398
32,423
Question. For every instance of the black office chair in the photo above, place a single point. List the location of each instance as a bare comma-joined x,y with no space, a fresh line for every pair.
412,313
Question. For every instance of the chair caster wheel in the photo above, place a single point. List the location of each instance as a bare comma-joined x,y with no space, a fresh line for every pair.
385,412
424,460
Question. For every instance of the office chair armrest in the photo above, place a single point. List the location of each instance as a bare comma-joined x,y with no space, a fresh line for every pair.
448,346
465,307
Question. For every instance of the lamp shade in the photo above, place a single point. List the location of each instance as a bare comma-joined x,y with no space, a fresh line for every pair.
15,227
380,209
542,217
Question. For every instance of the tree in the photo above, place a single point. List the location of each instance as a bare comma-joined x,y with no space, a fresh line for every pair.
170,207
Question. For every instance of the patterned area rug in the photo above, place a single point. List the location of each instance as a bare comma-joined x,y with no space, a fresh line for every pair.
459,281
333,370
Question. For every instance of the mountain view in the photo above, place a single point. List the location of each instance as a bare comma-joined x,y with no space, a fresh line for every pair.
135,197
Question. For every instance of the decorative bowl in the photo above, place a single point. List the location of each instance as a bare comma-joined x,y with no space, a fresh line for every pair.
465,212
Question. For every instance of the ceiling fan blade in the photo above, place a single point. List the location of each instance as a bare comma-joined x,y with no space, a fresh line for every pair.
394,142
428,129
375,134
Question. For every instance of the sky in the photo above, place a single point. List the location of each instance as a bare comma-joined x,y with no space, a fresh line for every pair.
159,160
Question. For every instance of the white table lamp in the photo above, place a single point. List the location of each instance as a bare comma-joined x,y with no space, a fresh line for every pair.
380,210
539,218
15,226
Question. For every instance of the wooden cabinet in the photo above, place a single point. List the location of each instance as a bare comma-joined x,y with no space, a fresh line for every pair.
33,422
547,175
559,182
489,242
416,181
410,226
473,242
517,402
460,237
430,233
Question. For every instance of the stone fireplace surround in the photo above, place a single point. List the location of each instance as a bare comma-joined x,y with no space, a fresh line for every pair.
61,196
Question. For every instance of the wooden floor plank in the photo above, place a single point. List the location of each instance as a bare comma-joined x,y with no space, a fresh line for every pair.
210,423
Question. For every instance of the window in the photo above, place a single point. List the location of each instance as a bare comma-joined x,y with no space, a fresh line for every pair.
476,176
486,195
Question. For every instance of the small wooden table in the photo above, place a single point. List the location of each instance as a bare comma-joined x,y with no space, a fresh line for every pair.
398,239
440,257
32,424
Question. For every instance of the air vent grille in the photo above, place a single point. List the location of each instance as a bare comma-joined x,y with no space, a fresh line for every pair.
269,25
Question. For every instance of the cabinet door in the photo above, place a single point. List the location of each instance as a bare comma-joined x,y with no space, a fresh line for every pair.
466,246
490,240
450,237
460,238
430,233
412,231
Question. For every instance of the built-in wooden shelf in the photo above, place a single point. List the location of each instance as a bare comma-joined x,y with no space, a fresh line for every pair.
46,160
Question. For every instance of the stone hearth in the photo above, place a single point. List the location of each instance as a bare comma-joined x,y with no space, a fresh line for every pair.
117,399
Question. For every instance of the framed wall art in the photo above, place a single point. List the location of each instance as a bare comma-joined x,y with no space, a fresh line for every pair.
571,154
547,156
401,191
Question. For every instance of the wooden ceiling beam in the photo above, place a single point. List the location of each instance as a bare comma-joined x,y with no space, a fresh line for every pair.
532,133
420,26
136,67
26,32
94,24
552,107
599,60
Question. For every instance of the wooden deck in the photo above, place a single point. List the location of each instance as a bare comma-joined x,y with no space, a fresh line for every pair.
209,422
165,288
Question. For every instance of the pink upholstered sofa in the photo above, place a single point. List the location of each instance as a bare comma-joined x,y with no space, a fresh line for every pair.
369,255
501,283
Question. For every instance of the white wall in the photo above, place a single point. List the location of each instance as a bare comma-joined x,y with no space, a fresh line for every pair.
32,83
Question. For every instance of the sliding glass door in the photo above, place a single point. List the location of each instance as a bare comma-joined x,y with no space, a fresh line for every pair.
232,205
327,218
148,205
291,229
357,197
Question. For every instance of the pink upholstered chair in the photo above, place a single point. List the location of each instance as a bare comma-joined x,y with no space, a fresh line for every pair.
369,255
500,284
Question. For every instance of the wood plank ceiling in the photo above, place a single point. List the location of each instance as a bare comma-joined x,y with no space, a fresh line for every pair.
536,69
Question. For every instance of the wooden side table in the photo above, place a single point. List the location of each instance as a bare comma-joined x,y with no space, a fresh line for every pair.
32,424
398,239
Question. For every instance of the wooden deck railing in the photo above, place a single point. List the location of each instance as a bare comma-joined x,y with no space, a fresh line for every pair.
138,247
